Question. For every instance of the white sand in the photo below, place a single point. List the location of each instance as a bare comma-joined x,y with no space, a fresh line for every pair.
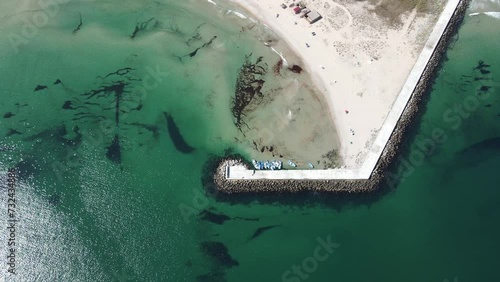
356,58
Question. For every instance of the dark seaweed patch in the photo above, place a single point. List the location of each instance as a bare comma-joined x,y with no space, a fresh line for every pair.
477,78
119,72
176,136
141,27
12,132
218,252
192,54
58,131
8,115
59,134
478,152
214,217
149,127
54,199
114,151
79,25
112,96
484,88
138,108
117,88
248,86
83,115
40,87
20,105
92,103
481,65
26,168
216,276
68,105
492,143
196,35
261,230
278,66
295,69
246,218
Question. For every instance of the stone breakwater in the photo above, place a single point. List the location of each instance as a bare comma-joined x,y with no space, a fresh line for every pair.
380,174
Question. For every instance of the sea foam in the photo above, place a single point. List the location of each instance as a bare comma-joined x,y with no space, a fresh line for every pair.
238,14
493,14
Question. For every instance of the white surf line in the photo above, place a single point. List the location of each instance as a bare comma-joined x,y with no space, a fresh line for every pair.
285,63
493,14
238,14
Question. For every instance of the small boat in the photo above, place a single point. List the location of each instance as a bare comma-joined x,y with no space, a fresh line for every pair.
256,164
310,165
263,165
292,164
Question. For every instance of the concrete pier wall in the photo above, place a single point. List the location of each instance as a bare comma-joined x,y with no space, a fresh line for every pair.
233,176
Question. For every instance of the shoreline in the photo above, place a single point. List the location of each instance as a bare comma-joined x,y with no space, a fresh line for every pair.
318,82
338,59
380,172
283,123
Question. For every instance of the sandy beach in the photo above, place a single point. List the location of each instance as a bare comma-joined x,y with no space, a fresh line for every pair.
357,57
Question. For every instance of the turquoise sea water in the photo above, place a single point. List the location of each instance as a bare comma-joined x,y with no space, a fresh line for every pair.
83,217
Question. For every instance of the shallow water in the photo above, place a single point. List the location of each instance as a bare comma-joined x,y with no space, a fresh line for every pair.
86,218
